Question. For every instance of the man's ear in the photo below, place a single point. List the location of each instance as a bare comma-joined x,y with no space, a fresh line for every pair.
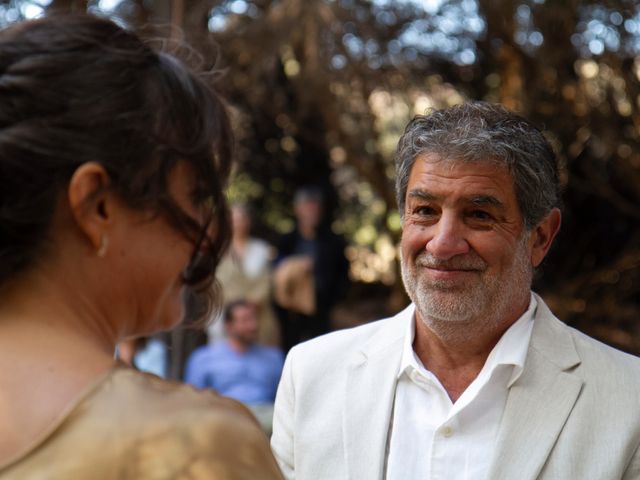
543,235
90,202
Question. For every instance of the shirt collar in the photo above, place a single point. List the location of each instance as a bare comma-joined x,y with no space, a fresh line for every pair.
511,349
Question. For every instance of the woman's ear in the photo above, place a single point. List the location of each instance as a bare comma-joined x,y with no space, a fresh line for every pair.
90,203
543,235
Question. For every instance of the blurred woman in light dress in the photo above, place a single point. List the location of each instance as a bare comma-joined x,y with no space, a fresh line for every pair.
245,274
113,160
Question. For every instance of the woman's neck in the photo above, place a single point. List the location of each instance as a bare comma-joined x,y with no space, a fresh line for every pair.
46,362
48,321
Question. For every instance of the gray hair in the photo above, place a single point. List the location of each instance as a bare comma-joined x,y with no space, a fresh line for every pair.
480,131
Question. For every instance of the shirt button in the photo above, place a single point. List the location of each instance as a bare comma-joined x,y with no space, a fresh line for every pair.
446,431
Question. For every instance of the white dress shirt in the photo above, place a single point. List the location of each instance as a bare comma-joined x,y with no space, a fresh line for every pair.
433,439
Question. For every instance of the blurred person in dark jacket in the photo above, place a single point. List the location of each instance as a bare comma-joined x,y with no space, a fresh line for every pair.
311,271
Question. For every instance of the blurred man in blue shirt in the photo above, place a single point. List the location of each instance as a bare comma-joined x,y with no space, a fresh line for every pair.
237,366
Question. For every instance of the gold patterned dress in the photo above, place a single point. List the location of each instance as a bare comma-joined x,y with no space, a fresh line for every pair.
131,425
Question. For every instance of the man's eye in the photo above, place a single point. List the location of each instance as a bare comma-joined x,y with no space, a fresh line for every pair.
424,211
480,215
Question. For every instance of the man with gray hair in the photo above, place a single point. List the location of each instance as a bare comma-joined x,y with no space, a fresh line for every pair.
476,379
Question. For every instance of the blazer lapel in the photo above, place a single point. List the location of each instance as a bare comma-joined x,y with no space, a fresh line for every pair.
539,402
369,395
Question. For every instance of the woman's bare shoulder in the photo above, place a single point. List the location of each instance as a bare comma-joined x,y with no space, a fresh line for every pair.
196,432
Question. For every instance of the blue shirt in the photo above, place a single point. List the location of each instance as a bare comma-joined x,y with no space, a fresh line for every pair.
251,377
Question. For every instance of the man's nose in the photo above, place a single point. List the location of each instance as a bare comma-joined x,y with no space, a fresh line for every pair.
448,238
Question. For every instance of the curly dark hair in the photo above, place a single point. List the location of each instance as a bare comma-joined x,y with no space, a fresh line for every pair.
78,88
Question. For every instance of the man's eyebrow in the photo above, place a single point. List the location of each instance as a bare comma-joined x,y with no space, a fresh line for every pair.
421,194
478,200
484,200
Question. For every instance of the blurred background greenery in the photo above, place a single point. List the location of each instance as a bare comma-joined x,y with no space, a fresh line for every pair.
321,90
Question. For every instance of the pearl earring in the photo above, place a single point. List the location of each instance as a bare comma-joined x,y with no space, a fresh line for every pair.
104,244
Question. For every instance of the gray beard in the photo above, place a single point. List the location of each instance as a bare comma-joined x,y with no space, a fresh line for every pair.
461,313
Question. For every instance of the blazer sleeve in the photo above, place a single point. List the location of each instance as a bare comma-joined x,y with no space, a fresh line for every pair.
633,470
282,439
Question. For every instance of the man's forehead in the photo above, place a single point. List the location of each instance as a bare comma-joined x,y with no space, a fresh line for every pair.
456,168
452,162
479,182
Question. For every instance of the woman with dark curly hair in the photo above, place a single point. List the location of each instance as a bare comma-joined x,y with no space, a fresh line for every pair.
113,160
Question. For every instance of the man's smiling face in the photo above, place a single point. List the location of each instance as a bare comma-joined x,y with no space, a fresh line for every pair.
466,256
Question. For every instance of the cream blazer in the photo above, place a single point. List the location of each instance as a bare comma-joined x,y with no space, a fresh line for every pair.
574,413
